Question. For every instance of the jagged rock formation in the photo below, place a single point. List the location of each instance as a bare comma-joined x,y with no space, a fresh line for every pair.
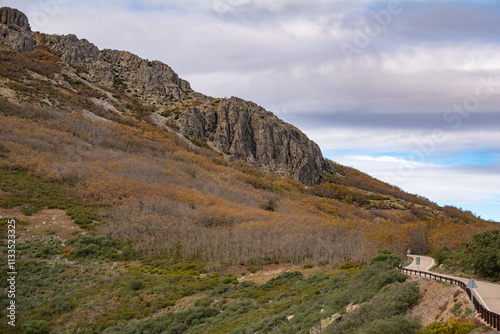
248,132
121,69
235,127
11,16
15,30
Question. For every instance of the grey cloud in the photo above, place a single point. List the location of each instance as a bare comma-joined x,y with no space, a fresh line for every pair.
478,121
449,21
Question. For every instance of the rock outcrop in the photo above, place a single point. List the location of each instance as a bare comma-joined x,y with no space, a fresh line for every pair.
247,132
15,31
325,323
121,69
11,16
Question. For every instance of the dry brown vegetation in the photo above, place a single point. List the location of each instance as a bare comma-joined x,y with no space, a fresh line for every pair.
169,198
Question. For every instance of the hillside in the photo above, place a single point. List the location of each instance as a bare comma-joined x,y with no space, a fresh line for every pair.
116,170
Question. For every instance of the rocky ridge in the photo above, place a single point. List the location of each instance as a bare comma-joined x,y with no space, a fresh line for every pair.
237,128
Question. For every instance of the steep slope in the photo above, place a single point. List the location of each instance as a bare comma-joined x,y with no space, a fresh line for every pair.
237,128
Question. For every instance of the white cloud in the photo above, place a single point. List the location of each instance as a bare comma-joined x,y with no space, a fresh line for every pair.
442,184
431,142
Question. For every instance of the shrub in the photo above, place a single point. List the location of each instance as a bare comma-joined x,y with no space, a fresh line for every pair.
284,278
349,265
450,327
395,325
371,279
484,250
253,269
456,308
387,256
194,316
205,302
89,246
386,309
137,284
36,327
62,305
441,255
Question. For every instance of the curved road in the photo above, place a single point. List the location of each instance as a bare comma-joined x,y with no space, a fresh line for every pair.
487,293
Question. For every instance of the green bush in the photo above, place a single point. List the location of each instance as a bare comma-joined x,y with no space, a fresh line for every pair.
253,269
382,310
441,255
205,302
137,284
395,325
87,217
62,305
89,246
350,265
284,278
369,280
484,252
172,324
387,256
36,327
195,315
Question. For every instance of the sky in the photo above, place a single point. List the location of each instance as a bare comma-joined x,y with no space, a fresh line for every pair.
406,91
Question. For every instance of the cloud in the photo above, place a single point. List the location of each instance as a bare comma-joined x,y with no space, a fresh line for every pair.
467,185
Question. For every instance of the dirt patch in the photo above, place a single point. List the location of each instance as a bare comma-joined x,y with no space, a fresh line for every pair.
441,301
7,92
45,222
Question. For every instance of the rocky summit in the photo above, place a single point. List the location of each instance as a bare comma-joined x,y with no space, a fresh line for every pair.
11,16
239,129
15,31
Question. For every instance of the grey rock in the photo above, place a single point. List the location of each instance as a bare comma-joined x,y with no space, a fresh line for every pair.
15,31
17,39
75,51
249,133
195,123
121,69
11,16
150,77
325,323
351,307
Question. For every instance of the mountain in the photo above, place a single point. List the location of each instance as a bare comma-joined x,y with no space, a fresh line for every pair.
134,195
234,127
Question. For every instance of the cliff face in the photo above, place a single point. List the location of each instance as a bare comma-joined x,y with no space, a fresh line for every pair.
248,132
235,127
15,31
11,16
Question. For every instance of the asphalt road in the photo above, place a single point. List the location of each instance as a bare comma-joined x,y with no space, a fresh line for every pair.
487,293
